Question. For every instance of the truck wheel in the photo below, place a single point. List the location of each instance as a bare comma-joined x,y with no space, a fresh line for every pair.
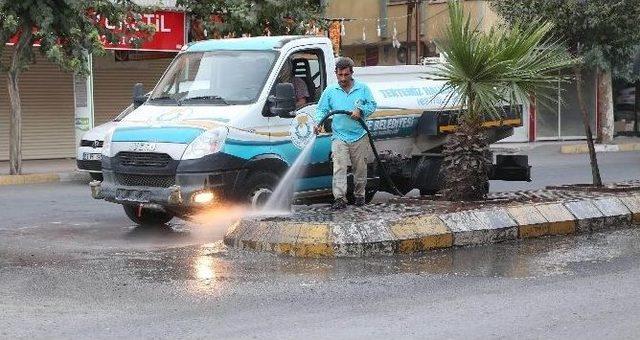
148,217
427,177
259,187
96,176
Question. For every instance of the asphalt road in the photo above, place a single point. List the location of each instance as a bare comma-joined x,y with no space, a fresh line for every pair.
549,167
74,267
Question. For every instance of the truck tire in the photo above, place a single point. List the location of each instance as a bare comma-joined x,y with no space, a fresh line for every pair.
148,217
427,176
96,176
260,185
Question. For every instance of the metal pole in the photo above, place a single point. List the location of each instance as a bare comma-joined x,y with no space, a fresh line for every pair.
636,107
409,15
418,31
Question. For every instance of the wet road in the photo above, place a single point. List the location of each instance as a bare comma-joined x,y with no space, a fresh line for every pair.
549,167
71,266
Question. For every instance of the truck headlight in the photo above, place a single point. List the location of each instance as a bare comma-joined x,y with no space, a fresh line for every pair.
209,142
106,145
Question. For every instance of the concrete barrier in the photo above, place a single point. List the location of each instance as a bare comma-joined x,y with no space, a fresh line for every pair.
614,211
375,232
561,221
478,227
531,223
632,202
75,176
421,233
588,217
583,148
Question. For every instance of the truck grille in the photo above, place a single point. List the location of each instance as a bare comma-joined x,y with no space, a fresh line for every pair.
92,143
145,159
156,181
90,165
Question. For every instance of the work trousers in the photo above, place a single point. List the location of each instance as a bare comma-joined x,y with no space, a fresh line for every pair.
356,155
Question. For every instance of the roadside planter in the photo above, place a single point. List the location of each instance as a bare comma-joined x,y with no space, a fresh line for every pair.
409,226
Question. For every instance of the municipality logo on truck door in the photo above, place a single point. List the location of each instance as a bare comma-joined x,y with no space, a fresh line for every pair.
301,130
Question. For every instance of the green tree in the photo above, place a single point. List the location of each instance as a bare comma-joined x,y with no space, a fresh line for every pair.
214,19
65,32
484,71
603,33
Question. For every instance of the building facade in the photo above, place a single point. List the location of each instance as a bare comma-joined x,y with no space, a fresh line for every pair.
57,107
372,32
383,32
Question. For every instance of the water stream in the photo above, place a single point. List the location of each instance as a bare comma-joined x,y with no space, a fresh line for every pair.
280,199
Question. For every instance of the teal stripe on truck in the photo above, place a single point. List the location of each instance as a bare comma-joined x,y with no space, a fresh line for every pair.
179,135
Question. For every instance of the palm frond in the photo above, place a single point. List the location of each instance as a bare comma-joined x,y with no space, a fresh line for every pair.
487,70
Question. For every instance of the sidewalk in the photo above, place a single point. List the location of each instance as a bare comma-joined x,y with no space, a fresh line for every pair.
43,171
619,144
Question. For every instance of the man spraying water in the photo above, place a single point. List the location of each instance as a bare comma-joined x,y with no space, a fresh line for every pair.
348,140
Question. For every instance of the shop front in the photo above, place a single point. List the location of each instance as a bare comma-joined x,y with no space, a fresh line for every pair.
558,117
57,107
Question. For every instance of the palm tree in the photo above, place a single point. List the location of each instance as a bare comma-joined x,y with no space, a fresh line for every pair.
483,72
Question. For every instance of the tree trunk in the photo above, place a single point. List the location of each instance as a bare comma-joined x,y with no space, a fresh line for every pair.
19,58
605,106
15,133
465,164
595,171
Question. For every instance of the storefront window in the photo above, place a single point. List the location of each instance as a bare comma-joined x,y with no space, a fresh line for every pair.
562,119
571,125
624,97
547,117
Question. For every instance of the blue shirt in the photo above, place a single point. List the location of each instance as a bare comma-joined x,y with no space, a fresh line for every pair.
335,98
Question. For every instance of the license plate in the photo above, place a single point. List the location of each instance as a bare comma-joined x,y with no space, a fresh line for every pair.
141,196
86,156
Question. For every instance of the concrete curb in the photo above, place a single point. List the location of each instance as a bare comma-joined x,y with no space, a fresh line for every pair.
583,148
424,232
75,176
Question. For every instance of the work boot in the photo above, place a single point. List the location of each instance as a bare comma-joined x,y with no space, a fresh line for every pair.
359,202
339,204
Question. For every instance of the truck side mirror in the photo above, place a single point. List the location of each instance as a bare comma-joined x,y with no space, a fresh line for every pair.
139,96
283,103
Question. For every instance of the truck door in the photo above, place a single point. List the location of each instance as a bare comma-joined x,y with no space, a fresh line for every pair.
306,69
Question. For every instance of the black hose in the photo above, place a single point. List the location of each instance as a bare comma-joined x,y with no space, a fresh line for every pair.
373,147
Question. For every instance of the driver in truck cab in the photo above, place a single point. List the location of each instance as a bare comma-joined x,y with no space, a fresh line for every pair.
301,91
349,142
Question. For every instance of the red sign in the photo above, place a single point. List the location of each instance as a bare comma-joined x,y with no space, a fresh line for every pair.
169,36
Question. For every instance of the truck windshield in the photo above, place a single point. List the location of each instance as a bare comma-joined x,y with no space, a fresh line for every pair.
214,78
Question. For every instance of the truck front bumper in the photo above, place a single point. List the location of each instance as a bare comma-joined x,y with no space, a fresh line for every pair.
175,192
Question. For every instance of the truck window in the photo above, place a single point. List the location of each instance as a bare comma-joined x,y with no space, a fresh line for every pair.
214,78
307,66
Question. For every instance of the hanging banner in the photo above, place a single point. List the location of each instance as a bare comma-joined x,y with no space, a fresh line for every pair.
170,34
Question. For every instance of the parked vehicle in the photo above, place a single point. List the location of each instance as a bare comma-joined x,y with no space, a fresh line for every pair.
89,152
219,126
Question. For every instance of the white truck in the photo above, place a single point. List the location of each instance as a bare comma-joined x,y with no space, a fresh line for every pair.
89,151
221,126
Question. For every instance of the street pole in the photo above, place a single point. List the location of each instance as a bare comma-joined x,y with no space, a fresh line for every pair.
418,31
636,107
408,47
